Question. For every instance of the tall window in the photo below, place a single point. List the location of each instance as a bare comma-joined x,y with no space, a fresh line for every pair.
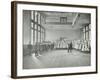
32,26
42,34
84,33
87,32
37,30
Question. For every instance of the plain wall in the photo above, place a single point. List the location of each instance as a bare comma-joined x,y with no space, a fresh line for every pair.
70,34
26,26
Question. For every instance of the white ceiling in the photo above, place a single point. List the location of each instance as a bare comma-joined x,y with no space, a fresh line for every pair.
74,20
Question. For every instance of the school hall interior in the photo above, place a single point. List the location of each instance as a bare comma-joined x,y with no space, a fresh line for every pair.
47,36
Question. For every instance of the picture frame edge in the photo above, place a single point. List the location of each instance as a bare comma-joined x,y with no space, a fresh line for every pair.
14,38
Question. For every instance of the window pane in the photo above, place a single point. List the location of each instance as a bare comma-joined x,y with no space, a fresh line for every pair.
35,26
84,35
43,19
83,29
31,24
35,36
63,19
35,16
32,37
41,36
41,29
86,28
89,35
38,28
32,15
38,36
38,18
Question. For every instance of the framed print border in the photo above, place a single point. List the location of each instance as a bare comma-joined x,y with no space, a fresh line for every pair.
14,38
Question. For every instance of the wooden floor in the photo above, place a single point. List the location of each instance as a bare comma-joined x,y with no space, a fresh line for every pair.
57,58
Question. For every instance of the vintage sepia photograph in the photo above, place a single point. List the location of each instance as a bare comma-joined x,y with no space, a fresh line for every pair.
53,39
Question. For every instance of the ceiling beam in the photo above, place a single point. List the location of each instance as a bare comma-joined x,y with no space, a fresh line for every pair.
75,18
59,23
